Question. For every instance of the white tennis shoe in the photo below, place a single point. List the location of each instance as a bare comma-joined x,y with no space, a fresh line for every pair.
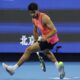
9,69
61,71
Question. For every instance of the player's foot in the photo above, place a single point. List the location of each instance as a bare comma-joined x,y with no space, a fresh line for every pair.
9,69
61,70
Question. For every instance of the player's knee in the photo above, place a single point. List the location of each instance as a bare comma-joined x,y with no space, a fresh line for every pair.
49,55
29,49
46,51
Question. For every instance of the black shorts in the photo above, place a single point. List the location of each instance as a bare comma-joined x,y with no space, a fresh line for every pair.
45,45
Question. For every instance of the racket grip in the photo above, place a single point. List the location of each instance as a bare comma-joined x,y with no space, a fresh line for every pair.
38,54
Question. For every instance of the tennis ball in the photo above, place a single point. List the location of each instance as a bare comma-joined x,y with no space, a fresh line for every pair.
60,63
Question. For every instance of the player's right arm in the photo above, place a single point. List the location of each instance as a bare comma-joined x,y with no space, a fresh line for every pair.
35,33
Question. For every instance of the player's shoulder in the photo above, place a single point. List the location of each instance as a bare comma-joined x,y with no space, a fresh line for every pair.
45,16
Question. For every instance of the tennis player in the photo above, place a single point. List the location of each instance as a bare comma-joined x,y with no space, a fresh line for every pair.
49,39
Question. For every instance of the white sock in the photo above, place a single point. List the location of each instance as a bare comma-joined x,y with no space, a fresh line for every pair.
56,64
15,66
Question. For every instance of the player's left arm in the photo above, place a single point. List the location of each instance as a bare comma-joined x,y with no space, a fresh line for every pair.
48,22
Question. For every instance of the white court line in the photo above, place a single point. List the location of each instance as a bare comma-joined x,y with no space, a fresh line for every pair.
57,78
76,77
66,78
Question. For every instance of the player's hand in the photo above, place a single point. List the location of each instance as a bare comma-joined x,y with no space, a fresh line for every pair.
44,39
34,41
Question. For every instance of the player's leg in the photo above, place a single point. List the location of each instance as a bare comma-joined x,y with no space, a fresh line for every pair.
59,65
51,56
31,49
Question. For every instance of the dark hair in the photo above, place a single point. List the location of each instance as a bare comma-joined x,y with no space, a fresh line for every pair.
33,6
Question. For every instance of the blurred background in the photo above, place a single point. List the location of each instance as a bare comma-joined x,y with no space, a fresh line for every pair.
15,21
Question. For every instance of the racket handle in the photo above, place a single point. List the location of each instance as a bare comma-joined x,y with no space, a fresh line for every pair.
40,58
38,54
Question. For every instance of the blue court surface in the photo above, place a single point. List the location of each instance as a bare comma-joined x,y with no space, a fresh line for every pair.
32,71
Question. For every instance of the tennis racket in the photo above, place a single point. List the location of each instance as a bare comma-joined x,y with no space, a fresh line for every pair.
42,63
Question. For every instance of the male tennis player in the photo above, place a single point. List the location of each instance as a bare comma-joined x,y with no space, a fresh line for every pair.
49,39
